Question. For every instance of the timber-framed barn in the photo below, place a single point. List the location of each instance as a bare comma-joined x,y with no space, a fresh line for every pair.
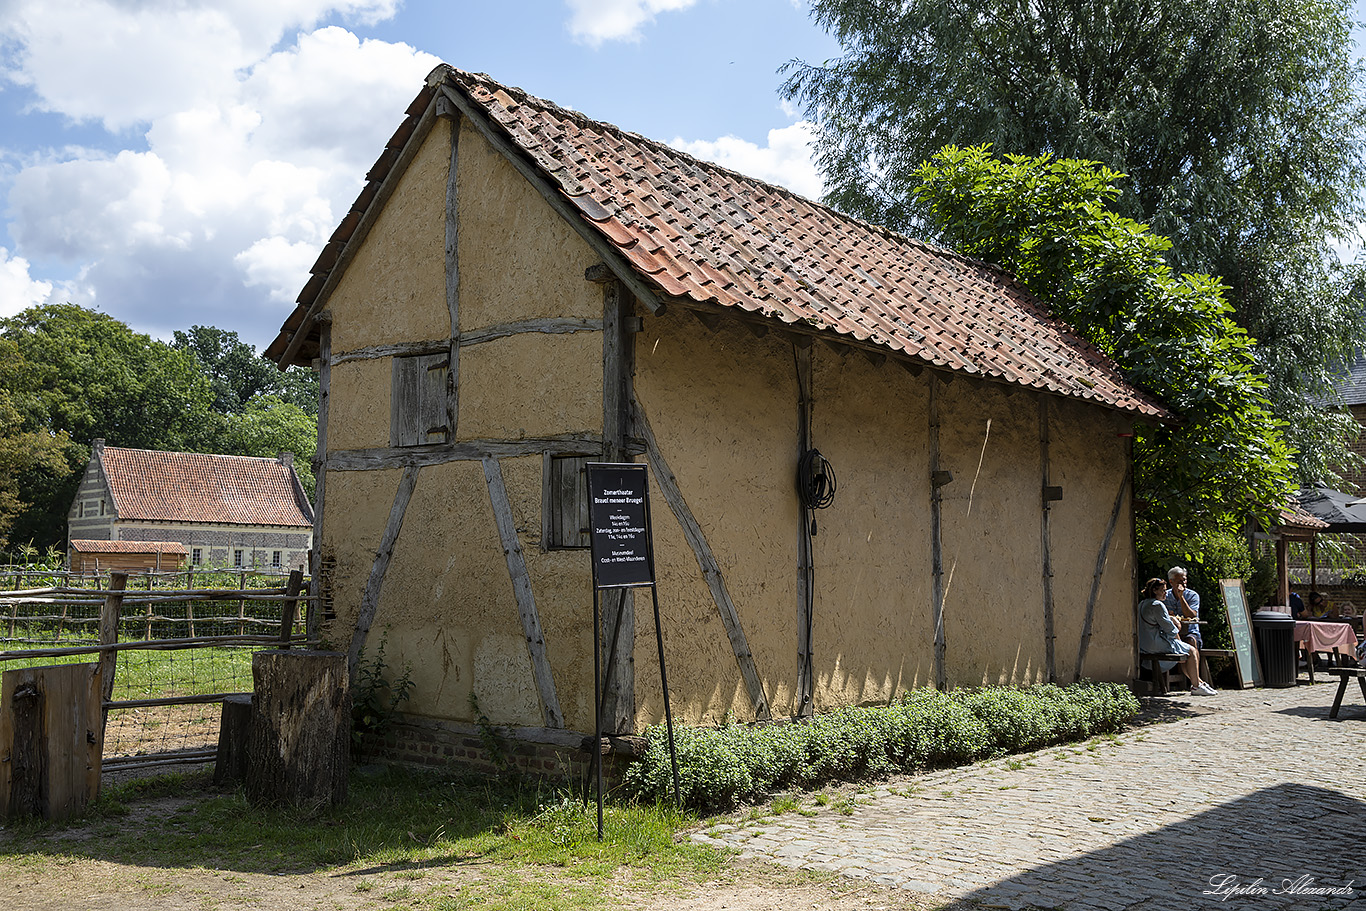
519,289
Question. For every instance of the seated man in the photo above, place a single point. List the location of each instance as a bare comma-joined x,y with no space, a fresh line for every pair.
1157,635
1297,608
1184,605
1318,607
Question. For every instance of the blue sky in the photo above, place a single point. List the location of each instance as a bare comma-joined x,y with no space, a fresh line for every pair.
181,162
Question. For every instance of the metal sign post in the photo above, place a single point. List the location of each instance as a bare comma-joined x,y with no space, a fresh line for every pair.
623,557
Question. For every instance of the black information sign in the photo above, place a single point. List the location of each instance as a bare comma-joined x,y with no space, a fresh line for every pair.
619,516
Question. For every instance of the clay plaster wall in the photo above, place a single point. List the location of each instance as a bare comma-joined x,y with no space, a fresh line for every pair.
394,290
723,406
447,606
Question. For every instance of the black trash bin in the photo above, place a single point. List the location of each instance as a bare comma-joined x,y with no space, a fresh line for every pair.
1276,643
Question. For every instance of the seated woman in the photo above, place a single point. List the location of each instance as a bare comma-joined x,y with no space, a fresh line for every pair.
1157,634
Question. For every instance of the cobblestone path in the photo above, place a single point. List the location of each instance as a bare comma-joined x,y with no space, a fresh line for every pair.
1252,799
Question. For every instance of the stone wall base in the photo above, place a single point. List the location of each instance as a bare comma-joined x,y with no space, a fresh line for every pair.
537,753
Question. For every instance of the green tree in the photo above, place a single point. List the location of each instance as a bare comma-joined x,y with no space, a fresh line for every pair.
23,452
1049,222
88,376
238,374
1239,125
268,426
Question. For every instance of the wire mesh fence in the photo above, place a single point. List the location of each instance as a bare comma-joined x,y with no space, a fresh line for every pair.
175,652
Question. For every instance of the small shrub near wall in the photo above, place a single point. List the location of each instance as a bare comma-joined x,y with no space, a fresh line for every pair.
723,767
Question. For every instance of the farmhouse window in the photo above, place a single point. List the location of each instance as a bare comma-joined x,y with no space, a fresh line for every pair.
197,557
101,507
81,512
275,559
237,558
564,505
418,413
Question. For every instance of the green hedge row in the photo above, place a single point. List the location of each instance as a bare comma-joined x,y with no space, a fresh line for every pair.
719,768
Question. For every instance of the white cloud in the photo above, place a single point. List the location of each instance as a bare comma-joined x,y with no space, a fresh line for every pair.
19,290
786,160
596,21
129,62
251,157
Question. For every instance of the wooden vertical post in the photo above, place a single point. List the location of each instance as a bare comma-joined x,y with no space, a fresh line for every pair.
805,558
324,321
49,745
1050,662
290,611
936,539
109,635
241,610
618,604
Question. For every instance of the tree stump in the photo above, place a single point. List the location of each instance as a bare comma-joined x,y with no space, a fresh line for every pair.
298,751
234,731
50,740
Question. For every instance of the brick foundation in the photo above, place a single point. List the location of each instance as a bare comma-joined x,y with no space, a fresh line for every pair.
458,746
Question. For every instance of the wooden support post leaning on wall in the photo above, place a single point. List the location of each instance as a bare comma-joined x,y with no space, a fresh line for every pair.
521,590
370,600
1101,559
936,539
618,604
706,561
1050,662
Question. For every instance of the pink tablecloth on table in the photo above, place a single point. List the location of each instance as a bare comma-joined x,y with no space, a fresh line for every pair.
1324,637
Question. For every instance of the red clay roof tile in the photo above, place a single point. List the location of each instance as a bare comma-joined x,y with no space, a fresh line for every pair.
706,235
199,487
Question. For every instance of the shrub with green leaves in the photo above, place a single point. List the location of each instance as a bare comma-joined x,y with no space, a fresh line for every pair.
719,768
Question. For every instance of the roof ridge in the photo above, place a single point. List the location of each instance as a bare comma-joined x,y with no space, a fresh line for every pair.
215,455
583,119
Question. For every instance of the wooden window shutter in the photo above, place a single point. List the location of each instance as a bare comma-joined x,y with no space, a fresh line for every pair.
566,502
418,412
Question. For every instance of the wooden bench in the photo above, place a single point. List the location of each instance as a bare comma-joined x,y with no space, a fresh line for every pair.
1346,673
1151,659
1206,654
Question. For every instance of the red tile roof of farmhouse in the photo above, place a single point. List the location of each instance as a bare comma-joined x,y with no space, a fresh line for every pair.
127,547
697,235
199,487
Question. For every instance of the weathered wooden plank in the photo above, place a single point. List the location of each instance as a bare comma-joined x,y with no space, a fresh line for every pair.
109,635
557,200
234,730
320,474
550,325
618,605
370,600
1046,542
49,740
936,539
521,589
466,450
1101,559
706,561
367,221
290,610
452,390
406,349
805,557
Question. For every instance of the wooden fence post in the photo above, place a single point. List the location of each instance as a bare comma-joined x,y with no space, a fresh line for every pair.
289,613
109,635
49,754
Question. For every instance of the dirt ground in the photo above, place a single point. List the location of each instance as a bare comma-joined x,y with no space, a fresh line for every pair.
93,885
61,880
